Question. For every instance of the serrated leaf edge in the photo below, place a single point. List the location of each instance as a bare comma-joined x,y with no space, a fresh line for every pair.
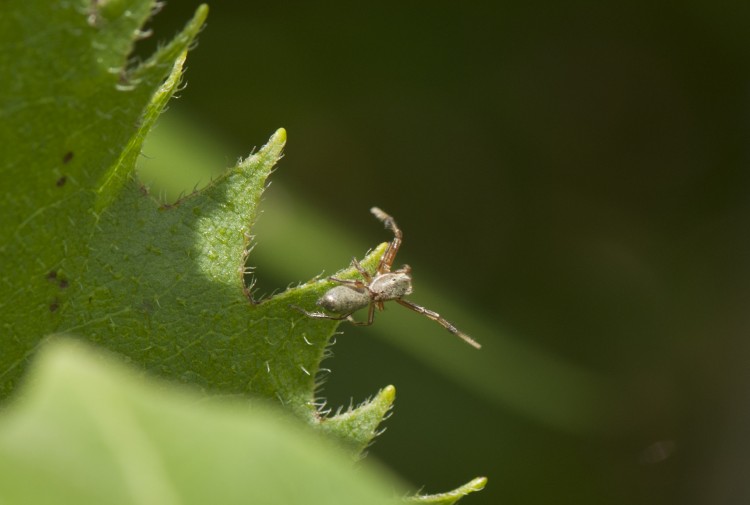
175,52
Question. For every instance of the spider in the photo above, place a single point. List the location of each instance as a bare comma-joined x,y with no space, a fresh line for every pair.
385,285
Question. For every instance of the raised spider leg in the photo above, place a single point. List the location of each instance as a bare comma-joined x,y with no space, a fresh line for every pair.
390,254
440,320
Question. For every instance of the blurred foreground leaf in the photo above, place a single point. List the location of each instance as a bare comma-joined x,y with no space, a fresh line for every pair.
85,429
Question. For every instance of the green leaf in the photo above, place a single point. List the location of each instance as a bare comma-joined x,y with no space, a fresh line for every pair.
69,107
87,430
94,255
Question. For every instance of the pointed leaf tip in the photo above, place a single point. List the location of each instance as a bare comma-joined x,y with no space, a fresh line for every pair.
477,484
271,151
201,13
451,497
279,136
357,428
388,394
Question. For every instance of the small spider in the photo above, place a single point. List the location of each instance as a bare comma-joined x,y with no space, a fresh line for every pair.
385,285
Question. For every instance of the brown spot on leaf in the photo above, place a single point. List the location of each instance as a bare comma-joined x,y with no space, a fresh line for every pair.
61,181
67,157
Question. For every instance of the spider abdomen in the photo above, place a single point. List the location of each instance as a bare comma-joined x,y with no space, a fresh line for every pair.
344,299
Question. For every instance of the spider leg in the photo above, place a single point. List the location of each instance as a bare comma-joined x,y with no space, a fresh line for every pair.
440,320
370,317
320,315
405,269
390,253
364,273
349,282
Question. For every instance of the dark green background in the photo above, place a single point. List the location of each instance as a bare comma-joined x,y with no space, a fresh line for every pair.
577,172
